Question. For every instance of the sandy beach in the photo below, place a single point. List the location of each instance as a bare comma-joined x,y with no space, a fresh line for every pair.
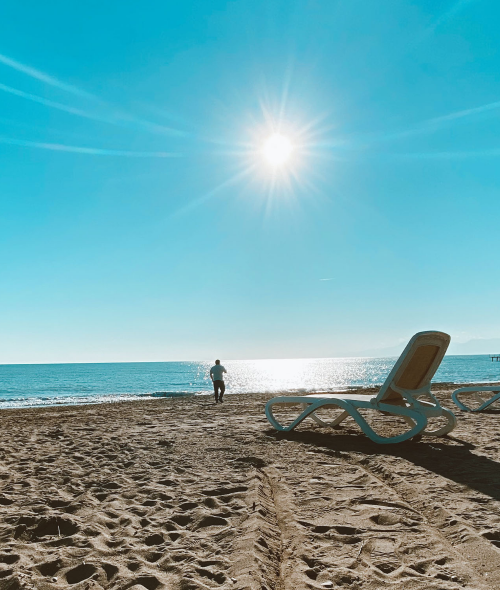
186,494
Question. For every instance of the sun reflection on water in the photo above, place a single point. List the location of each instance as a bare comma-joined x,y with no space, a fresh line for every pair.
303,375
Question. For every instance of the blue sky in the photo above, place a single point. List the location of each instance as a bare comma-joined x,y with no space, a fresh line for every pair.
140,222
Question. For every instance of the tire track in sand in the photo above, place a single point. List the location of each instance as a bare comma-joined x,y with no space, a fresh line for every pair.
265,546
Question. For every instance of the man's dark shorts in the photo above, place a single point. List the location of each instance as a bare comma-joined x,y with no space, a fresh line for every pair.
219,385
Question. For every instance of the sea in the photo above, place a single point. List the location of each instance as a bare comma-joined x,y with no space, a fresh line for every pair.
89,383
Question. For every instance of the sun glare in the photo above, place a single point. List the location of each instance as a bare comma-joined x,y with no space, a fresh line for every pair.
277,149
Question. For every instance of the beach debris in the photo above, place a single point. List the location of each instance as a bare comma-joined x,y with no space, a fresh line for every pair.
327,584
360,549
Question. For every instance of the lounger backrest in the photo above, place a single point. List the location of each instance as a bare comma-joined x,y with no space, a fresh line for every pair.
416,366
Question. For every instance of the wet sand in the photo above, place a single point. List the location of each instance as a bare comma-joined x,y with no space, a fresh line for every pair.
186,494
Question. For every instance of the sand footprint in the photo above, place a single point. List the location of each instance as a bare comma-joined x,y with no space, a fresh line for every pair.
9,558
181,519
110,570
141,582
218,577
81,572
50,568
154,539
493,536
133,566
211,521
185,506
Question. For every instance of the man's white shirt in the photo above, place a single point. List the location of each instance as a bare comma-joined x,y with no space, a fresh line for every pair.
217,371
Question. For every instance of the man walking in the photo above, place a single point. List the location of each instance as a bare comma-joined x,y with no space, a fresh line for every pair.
216,375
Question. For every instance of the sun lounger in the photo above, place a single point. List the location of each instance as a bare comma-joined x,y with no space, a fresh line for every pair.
409,380
493,391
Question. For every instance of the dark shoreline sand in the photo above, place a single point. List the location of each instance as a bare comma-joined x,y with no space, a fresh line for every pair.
184,494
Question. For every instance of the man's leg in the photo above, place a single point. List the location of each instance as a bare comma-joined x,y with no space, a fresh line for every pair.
222,390
216,391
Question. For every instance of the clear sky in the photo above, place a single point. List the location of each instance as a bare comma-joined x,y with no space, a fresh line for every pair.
140,221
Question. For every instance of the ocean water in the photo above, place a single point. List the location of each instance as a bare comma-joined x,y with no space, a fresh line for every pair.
67,384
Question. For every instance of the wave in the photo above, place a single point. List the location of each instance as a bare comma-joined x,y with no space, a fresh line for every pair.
174,393
76,400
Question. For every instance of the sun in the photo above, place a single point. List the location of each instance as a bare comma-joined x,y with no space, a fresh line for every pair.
277,149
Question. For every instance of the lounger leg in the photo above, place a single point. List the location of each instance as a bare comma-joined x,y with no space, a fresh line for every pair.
487,403
417,421
478,398
461,405
451,422
336,422
494,398
309,409
409,421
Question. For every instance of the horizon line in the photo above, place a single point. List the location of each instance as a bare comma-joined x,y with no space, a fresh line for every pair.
292,358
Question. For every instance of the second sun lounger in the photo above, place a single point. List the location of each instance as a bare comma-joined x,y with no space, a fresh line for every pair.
409,380
493,391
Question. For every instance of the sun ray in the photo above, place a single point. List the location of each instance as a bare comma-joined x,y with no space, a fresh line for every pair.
307,128
210,194
285,93
427,126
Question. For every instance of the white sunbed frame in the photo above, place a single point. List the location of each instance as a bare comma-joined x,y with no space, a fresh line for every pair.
392,399
474,391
